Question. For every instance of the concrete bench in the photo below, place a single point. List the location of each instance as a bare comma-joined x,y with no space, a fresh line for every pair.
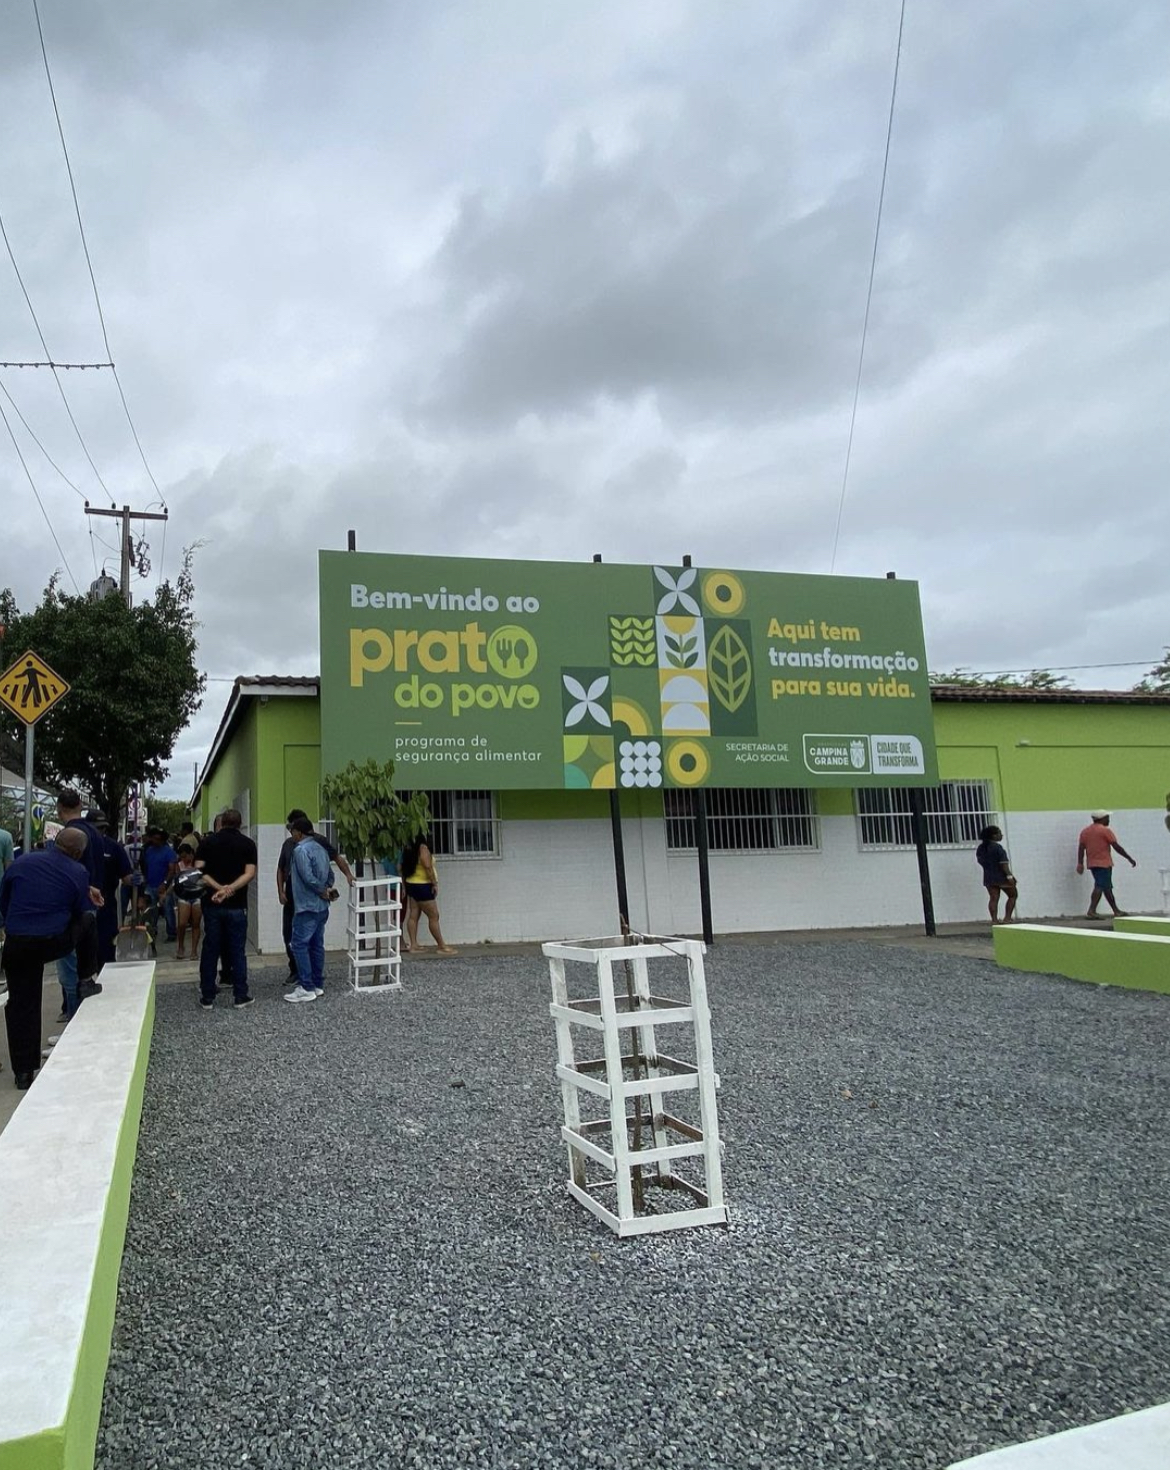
1158,925
66,1159
1137,961
1138,1441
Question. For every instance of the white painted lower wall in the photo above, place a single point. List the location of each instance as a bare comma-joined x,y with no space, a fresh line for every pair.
555,879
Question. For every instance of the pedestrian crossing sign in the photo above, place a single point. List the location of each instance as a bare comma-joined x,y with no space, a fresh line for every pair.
30,688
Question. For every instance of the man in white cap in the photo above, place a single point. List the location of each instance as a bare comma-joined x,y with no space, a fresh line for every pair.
1096,846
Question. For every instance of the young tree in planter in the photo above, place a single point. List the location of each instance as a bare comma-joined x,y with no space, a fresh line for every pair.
371,820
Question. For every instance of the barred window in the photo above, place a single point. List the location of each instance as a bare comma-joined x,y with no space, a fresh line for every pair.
463,823
955,812
743,819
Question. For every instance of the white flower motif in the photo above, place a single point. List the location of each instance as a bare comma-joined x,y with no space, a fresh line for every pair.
676,593
586,700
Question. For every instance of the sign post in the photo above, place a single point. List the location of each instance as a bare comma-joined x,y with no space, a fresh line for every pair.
29,689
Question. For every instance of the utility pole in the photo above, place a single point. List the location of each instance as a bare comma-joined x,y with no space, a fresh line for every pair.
124,515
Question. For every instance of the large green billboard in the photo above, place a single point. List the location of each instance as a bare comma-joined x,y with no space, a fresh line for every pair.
497,675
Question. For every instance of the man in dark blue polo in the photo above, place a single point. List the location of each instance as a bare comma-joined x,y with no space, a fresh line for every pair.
77,981
117,873
44,902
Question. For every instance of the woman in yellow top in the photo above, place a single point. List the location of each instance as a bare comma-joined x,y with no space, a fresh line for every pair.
422,885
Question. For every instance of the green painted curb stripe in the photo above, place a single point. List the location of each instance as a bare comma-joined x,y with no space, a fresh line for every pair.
1158,926
1133,961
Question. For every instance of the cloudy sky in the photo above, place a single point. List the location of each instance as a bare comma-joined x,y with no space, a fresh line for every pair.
539,279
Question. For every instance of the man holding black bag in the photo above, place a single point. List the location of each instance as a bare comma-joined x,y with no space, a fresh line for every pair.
46,905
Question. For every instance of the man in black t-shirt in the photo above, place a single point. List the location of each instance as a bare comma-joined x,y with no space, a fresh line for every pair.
228,862
284,881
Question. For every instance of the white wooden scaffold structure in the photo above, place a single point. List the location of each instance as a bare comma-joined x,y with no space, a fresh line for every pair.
648,1149
374,933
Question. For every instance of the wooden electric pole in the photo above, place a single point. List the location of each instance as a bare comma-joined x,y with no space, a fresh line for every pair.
125,515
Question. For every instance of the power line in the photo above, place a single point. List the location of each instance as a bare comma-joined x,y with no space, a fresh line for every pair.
85,247
28,429
49,355
877,234
40,502
67,365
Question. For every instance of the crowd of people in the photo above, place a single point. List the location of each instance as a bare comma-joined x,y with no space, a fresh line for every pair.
82,902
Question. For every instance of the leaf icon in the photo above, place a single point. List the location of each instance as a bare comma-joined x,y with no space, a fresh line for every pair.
729,668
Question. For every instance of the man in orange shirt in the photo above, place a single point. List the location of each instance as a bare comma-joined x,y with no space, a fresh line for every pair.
1098,842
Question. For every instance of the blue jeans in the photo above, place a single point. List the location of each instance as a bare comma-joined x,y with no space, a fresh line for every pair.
67,974
308,947
224,930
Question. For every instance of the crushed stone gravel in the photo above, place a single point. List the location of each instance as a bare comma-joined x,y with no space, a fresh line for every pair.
350,1243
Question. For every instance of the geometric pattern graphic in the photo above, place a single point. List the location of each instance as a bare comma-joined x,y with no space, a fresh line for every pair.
589,762
687,762
724,593
682,675
681,643
631,714
730,678
679,596
631,642
640,763
586,700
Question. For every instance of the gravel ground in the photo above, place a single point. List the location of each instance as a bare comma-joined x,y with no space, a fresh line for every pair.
350,1243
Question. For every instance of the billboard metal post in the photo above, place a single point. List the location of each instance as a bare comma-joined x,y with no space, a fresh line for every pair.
619,859
918,828
702,843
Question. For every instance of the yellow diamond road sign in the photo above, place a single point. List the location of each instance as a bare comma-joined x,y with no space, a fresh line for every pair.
30,689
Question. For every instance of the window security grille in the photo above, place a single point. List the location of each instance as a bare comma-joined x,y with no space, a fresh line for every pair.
955,813
464,823
744,820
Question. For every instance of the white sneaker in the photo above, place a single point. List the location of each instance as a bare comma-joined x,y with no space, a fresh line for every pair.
300,995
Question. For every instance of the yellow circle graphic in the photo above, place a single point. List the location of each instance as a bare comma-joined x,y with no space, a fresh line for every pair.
511,651
723,593
687,762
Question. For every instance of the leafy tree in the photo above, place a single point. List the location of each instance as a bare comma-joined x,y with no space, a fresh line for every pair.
170,815
1037,679
372,822
134,685
1157,681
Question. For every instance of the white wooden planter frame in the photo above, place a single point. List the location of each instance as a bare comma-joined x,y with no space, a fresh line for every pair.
631,1069
374,934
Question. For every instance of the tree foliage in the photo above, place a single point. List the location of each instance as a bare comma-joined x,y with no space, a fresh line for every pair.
1037,679
1157,681
167,814
134,684
372,821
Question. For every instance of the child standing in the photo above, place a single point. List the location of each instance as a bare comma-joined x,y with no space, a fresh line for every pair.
188,894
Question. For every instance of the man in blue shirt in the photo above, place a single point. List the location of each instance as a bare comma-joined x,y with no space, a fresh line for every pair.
45,898
159,861
310,873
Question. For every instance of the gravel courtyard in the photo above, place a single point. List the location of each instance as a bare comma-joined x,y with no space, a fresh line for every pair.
350,1242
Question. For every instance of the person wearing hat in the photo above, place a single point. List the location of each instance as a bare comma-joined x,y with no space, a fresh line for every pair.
1095,847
